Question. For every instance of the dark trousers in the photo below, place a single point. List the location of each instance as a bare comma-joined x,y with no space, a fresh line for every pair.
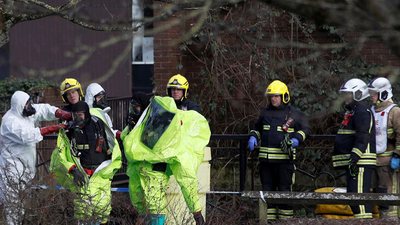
278,177
360,184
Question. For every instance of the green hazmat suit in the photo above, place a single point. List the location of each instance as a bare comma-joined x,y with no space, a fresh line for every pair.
93,200
166,135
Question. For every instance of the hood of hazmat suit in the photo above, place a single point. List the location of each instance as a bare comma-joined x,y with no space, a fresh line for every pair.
167,134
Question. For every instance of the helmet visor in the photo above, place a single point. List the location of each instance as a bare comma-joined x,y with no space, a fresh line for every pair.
346,96
176,87
372,92
272,94
157,123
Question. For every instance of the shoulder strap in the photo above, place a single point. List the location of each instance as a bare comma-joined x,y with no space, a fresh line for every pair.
288,113
104,130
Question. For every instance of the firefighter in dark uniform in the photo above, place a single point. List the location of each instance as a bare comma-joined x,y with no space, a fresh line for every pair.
354,148
178,89
89,138
280,128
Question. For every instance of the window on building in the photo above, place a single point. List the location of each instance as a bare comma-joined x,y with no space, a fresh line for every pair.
143,47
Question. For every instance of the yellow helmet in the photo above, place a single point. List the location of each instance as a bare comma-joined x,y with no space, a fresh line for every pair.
278,88
70,84
179,82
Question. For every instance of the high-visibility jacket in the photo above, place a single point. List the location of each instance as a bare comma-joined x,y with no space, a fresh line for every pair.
392,126
62,158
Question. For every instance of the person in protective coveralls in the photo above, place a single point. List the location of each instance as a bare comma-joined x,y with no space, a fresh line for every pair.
280,128
96,98
178,89
18,139
354,148
71,93
165,141
385,177
87,154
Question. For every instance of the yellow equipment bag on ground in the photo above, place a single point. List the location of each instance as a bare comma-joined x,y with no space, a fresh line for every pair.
337,211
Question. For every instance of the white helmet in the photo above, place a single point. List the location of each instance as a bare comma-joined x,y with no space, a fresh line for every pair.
357,87
382,87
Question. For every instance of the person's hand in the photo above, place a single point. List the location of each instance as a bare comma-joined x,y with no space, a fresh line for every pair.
63,115
353,168
252,143
118,135
394,163
198,217
295,142
79,178
51,129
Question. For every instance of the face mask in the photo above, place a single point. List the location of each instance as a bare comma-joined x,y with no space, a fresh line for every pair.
78,122
134,110
102,104
134,115
29,111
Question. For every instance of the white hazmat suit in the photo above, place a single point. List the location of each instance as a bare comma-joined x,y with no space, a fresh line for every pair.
18,139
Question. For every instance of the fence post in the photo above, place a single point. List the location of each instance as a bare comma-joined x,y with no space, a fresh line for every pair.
243,163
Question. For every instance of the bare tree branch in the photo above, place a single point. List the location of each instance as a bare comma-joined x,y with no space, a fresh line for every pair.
380,17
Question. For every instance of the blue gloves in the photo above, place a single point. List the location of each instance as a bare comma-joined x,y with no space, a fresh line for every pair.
394,163
252,143
295,142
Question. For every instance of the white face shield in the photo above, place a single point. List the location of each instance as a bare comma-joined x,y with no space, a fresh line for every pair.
347,97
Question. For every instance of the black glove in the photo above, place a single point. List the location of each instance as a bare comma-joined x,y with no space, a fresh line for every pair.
353,168
198,217
287,146
79,177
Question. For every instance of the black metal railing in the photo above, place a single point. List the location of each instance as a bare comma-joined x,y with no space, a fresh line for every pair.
243,138
243,156
119,117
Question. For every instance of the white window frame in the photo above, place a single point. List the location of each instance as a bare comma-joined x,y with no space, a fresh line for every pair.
141,44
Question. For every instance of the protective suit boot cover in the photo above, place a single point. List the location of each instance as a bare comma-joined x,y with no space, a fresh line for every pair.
154,219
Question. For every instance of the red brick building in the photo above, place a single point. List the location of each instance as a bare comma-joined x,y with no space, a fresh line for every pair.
54,45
